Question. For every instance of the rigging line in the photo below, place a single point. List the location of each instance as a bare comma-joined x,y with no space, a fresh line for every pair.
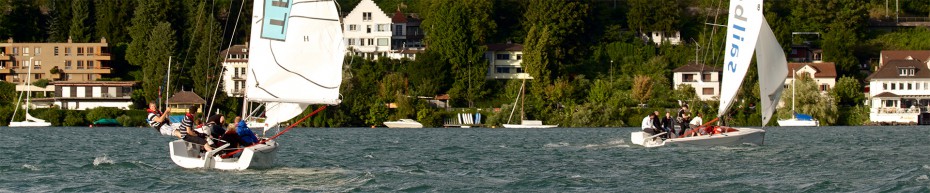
292,72
187,53
314,18
260,87
713,32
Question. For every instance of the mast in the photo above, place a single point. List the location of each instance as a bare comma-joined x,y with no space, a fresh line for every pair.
28,87
168,84
793,90
523,102
515,102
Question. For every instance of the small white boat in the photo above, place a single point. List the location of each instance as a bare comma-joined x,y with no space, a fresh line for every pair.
732,137
30,120
188,155
529,124
403,123
799,120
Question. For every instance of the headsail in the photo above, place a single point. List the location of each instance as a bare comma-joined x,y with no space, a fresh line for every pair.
745,27
296,52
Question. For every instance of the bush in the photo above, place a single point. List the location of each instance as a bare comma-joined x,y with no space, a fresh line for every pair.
74,118
102,112
52,115
41,83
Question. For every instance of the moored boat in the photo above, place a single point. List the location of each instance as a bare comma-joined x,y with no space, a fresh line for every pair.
403,123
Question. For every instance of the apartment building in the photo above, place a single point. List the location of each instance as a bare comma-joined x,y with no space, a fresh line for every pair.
54,61
235,65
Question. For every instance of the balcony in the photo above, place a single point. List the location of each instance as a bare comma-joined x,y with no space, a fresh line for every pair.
100,56
237,92
84,70
4,57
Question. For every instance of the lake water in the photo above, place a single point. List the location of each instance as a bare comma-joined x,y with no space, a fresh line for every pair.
823,159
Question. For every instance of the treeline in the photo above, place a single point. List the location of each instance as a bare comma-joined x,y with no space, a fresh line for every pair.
590,62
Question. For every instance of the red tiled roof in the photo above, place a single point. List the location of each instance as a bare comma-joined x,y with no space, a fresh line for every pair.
890,55
505,47
824,69
399,17
442,97
93,83
886,94
696,67
186,97
890,69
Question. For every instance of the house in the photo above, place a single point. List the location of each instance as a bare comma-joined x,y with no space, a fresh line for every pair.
703,78
83,95
891,55
823,73
54,61
181,101
505,61
235,65
372,34
898,91
805,53
660,37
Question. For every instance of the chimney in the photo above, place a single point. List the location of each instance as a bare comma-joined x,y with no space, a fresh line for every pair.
69,39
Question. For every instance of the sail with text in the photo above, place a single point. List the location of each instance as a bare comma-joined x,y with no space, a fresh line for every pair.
748,31
296,52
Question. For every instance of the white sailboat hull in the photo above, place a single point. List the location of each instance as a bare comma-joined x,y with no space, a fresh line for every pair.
798,123
739,137
30,124
528,126
403,124
255,157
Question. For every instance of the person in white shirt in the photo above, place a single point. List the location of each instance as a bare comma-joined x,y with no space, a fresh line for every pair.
697,122
647,124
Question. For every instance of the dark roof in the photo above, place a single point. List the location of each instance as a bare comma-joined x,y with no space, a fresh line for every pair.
399,17
824,69
890,69
886,94
890,55
93,83
505,47
186,97
696,67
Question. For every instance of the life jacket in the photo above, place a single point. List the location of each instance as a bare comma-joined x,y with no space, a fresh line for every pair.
151,119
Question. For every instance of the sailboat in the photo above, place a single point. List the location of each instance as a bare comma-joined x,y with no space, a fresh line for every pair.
30,120
747,31
523,122
797,119
296,55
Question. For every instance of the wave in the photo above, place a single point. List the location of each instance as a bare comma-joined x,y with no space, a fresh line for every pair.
103,160
31,167
559,144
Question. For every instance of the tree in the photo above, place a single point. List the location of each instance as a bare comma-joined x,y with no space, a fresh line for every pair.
82,22
848,92
642,88
161,47
22,20
552,41
147,14
111,22
60,21
808,100
458,30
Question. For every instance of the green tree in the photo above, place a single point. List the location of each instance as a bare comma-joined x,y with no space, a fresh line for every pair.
160,47
848,92
23,21
111,22
642,88
59,21
147,14
458,30
552,46
808,100
82,21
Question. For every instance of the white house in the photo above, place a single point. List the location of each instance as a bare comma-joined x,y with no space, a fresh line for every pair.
899,90
505,61
660,37
83,95
368,30
704,79
823,73
234,65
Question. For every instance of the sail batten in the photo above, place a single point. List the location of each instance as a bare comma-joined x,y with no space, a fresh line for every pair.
296,52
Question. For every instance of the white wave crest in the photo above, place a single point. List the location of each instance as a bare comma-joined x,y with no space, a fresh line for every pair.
102,160
559,144
31,167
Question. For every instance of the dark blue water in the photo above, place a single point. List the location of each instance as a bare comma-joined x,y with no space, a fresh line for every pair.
825,159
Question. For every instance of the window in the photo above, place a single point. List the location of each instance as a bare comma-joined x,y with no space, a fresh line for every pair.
885,86
382,27
906,71
503,70
520,70
15,51
368,28
37,76
901,86
351,41
503,56
37,64
824,87
382,42
706,77
242,71
366,16
687,77
38,50
708,91
353,27
361,42
67,64
56,50
25,51
90,51
398,30
519,56
80,64
80,51
67,51
371,41
90,64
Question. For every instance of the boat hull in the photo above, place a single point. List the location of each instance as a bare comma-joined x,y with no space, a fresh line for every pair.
403,124
798,123
30,124
528,126
738,137
255,157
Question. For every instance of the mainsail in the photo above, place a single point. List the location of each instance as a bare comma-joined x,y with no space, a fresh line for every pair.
296,52
747,30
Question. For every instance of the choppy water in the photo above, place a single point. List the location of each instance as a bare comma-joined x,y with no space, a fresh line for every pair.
825,159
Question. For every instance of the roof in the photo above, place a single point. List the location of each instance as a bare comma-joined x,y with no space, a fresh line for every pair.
696,67
442,97
186,97
890,69
889,55
93,83
886,94
505,47
399,17
892,95
824,69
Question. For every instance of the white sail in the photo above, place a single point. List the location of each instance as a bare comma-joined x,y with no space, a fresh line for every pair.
743,28
773,68
296,52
